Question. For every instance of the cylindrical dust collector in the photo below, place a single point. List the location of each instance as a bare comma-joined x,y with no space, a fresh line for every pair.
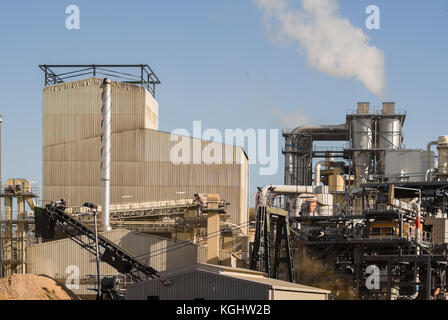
442,147
362,139
105,155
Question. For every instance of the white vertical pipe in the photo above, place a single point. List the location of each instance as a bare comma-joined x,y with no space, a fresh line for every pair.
428,154
317,172
105,155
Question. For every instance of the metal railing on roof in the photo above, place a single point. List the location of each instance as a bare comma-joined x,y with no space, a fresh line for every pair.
376,112
139,74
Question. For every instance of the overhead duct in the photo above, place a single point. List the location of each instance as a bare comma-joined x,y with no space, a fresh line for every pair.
299,148
105,154
263,193
317,172
324,133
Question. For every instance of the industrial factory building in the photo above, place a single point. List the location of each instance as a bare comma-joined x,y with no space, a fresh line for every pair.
367,204
210,282
65,259
362,205
141,167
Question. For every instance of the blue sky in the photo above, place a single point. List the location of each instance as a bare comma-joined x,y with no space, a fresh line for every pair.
217,64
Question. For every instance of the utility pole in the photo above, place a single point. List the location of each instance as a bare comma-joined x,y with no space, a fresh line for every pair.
97,252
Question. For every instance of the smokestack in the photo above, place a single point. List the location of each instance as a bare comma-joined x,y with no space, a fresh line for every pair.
388,107
105,155
363,107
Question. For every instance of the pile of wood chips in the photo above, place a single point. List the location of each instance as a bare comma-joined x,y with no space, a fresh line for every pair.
32,287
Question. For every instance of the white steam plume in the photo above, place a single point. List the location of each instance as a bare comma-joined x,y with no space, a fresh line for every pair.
333,45
292,120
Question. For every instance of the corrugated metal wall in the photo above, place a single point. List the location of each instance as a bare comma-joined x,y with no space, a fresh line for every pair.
439,229
53,258
141,163
199,284
72,111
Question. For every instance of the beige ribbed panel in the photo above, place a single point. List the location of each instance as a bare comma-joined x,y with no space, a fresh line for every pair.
53,258
72,111
141,164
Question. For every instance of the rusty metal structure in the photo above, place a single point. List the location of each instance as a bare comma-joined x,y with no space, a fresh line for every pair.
16,224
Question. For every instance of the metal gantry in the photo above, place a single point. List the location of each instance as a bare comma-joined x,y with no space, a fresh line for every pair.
15,225
261,257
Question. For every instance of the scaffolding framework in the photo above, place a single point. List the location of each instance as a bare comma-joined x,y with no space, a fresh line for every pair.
16,224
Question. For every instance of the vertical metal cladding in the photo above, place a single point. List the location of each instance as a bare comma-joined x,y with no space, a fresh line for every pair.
439,229
58,258
141,164
72,111
142,168
193,285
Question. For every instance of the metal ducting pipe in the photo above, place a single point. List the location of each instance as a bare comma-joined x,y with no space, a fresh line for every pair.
317,172
105,154
325,133
427,174
263,193
428,153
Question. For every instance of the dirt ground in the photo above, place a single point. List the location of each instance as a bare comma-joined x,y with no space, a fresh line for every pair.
32,287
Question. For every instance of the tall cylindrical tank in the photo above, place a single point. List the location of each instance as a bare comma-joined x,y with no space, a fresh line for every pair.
336,184
362,133
442,147
362,139
390,134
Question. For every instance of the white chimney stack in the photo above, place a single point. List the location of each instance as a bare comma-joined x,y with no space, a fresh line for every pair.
105,155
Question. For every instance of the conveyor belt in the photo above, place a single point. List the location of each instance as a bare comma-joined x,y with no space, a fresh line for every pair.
110,253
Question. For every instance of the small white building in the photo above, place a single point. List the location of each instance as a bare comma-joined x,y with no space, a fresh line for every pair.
211,282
